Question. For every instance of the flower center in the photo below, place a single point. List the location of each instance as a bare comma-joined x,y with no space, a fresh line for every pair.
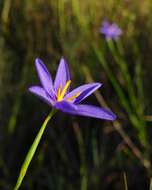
60,94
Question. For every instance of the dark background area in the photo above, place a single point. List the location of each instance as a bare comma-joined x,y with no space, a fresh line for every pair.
77,152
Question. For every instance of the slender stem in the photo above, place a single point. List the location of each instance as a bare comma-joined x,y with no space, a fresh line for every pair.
32,151
125,73
112,78
125,181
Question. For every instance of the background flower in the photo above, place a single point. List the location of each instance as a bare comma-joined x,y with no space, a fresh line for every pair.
111,31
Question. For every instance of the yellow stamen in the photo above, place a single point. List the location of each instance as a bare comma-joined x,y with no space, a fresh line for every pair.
74,96
60,94
59,90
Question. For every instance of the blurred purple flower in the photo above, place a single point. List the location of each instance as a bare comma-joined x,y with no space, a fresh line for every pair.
111,31
57,94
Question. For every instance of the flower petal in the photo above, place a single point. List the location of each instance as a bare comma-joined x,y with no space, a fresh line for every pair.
41,93
85,110
44,76
62,75
84,90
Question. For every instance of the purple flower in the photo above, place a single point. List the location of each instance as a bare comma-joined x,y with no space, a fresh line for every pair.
57,94
111,31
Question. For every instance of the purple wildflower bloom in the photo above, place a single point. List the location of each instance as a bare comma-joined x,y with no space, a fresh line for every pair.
111,31
58,96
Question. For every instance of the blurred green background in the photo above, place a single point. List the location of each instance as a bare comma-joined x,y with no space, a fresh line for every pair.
76,152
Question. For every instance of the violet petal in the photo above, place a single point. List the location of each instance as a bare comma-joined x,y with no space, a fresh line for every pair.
62,75
42,94
85,110
84,90
44,76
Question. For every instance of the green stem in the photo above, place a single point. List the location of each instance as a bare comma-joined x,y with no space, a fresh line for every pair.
125,73
32,151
